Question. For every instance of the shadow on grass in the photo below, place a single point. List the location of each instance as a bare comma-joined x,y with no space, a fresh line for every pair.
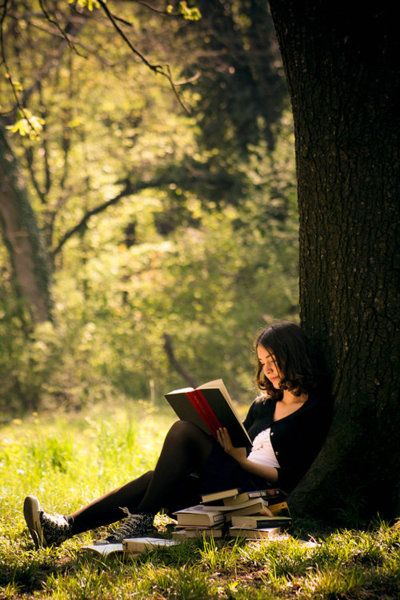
31,571
346,564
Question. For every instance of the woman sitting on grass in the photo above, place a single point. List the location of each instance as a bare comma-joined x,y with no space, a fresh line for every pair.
287,424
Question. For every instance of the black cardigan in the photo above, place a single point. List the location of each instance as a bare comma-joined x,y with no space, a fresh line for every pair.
296,439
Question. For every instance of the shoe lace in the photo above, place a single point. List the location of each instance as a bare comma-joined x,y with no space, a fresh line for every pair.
130,524
54,520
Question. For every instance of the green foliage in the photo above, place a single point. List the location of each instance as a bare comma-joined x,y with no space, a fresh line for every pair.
63,460
202,246
90,4
239,83
189,13
217,277
27,125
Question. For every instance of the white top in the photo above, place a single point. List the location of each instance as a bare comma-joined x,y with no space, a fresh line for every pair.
262,452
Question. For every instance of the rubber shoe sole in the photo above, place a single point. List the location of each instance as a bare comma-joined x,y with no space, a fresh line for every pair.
32,518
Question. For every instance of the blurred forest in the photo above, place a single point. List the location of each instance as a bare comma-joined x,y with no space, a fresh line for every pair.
155,203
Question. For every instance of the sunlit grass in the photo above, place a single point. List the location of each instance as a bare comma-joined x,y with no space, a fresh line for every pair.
67,460
73,459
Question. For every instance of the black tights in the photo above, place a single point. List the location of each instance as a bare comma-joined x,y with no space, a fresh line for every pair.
170,485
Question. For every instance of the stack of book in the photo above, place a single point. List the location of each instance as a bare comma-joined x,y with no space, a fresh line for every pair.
257,514
198,521
258,526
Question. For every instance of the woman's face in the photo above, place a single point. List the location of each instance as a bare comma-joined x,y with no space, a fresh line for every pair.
269,366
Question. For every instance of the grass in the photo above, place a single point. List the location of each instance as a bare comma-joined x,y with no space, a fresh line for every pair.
68,460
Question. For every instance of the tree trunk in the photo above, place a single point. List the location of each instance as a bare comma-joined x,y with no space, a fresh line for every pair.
343,72
22,238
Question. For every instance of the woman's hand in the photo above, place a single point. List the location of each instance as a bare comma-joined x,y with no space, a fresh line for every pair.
240,454
224,439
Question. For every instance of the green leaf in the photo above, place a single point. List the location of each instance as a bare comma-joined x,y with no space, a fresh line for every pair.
189,13
27,125
90,4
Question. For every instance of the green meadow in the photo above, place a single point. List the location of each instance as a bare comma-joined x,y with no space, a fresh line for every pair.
67,460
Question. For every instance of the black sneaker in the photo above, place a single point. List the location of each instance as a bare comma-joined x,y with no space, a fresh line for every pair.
45,529
135,525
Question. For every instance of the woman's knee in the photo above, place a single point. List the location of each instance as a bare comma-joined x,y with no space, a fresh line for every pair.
187,437
148,476
182,434
183,430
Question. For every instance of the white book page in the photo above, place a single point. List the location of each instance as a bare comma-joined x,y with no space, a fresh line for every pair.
149,541
216,383
104,549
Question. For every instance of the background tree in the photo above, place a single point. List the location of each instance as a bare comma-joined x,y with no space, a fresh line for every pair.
344,80
151,232
29,262
235,69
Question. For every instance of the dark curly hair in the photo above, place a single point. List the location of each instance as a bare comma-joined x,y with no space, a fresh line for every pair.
293,355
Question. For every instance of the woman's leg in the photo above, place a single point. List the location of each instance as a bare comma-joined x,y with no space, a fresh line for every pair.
49,529
109,508
185,449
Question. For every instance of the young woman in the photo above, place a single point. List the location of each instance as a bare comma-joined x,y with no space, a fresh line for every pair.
287,424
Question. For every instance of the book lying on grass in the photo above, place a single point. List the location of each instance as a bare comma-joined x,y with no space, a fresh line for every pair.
199,515
259,521
104,549
131,546
255,534
146,543
210,407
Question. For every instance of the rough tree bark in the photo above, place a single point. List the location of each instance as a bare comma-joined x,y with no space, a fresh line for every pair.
22,238
341,61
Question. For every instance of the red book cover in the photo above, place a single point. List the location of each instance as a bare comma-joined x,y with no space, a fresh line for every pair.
210,407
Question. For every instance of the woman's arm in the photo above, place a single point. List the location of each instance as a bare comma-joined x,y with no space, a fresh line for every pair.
269,473
239,454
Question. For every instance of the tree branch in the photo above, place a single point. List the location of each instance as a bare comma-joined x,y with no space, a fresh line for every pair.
32,174
74,24
174,362
153,9
165,70
191,177
66,130
45,146
56,24
8,71
128,190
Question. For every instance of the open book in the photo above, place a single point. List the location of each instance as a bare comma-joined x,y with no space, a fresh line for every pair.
210,407
132,546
